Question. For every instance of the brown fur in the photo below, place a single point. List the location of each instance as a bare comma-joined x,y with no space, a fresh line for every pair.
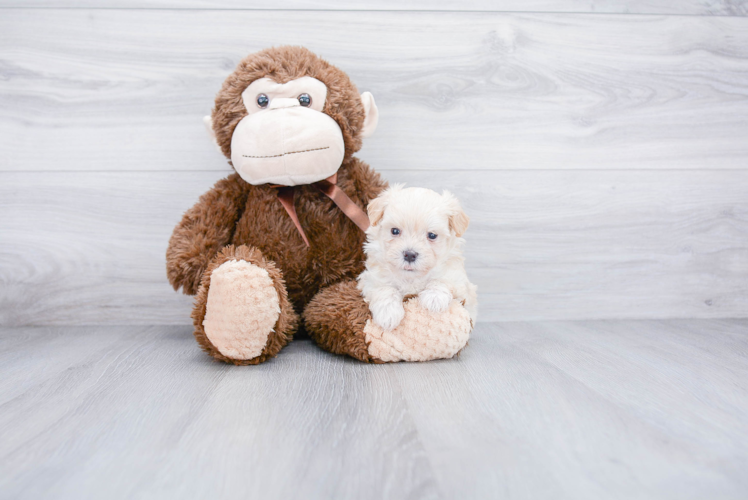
204,230
236,213
335,319
284,328
283,64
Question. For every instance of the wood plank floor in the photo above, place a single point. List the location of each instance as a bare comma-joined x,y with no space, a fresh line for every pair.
595,409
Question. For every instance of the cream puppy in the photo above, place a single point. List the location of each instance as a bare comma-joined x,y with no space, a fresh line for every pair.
413,247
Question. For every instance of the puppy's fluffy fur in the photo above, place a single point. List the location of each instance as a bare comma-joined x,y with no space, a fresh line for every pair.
413,247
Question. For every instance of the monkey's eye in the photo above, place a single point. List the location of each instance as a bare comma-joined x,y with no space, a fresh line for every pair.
262,101
305,100
432,236
395,231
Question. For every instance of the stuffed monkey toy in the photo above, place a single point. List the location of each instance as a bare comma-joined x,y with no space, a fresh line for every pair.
277,245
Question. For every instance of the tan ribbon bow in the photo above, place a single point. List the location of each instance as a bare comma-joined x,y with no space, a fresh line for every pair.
330,188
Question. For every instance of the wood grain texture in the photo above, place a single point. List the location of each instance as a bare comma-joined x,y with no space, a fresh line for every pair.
89,248
578,410
126,89
681,7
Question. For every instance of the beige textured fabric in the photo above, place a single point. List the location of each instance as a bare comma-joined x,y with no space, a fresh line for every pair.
241,310
422,335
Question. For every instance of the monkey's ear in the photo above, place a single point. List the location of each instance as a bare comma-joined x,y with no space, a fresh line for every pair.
208,121
376,209
458,219
372,114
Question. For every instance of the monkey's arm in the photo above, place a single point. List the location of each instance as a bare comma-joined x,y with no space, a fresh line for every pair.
204,230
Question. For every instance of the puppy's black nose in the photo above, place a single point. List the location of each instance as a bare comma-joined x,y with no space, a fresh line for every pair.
410,255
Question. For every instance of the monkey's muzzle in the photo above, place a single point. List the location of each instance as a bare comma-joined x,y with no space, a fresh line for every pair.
287,144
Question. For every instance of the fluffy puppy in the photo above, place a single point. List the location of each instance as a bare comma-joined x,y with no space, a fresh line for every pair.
413,247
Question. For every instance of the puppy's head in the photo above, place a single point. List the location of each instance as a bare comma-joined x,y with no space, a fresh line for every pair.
414,229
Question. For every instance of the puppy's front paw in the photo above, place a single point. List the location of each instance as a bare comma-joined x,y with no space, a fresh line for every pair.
387,314
435,299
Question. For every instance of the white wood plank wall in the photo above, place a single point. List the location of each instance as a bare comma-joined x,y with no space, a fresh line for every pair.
600,147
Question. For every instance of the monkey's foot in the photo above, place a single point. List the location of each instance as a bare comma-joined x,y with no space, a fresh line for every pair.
339,320
242,314
422,335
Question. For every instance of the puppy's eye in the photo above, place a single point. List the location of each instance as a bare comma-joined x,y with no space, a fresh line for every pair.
262,101
305,100
395,231
432,236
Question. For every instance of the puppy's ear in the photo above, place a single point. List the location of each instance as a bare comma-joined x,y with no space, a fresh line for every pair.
377,205
376,209
458,219
459,223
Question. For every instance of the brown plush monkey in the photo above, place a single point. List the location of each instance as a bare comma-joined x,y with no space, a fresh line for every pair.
283,235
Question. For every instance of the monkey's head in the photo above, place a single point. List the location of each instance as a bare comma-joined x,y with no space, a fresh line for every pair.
285,116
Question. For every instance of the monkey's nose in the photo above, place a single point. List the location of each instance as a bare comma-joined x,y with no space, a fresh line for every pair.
283,102
410,256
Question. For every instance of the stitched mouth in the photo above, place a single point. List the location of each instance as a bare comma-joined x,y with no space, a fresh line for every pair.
286,154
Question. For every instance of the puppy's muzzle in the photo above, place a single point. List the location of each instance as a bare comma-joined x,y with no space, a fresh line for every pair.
410,256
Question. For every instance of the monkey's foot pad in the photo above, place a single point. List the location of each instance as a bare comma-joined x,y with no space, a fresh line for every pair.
422,335
339,320
242,309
